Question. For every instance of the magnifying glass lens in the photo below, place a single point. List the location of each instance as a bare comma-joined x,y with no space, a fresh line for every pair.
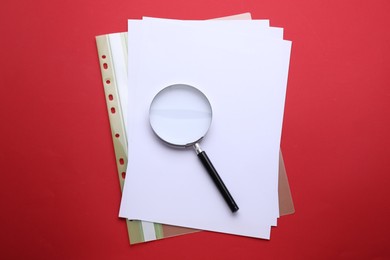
180,115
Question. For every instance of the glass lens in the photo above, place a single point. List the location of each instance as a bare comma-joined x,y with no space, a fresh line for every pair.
180,115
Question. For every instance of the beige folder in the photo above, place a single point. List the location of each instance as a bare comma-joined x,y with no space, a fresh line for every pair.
141,231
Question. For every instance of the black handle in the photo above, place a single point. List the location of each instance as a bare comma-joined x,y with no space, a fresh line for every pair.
218,181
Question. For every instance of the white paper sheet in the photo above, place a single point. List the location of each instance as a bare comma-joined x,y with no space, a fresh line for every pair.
228,62
265,31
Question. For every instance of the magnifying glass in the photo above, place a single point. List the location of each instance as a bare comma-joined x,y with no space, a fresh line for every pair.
180,115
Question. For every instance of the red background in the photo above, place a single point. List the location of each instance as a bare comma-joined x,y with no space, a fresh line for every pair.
59,191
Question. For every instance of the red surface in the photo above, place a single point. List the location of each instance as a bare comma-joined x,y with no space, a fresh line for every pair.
59,191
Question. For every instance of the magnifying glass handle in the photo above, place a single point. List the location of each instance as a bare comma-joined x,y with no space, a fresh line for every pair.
217,180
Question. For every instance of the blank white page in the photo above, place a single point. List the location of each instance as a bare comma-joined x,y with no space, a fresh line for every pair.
244,75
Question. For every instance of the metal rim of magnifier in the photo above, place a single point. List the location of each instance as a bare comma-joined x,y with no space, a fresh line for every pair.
184,86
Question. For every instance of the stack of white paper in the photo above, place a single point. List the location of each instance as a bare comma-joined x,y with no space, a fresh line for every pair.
242,67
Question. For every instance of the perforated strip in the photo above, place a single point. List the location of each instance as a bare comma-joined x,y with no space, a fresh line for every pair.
113,105
117,124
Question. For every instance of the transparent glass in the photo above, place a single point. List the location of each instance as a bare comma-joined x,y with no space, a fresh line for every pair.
180,115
